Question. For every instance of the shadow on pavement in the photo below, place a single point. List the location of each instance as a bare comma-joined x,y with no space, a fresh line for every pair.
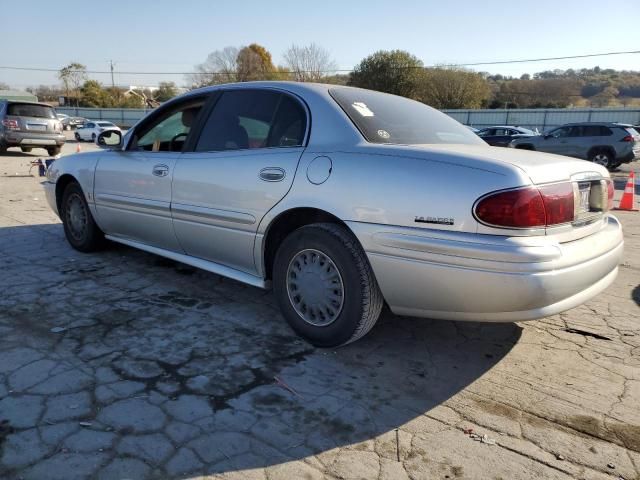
218,357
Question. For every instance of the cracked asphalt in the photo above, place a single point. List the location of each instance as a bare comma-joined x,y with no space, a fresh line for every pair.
122,364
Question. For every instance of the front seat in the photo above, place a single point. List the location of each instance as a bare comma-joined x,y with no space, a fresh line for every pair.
235,136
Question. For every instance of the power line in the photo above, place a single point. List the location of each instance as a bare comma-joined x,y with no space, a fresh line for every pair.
498,62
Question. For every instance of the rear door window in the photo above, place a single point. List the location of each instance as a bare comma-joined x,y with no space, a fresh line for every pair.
29,110
249,119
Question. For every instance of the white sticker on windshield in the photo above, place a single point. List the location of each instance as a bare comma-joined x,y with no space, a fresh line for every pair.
384,134
362,109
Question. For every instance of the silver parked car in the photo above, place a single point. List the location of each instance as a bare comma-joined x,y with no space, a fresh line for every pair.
29,125
608,144
343,199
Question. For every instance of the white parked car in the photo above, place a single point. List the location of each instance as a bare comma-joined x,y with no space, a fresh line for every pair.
91,130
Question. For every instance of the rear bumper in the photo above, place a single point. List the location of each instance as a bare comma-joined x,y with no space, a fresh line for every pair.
487,278
33,139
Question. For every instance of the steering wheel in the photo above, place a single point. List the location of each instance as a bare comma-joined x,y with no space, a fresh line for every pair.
176,137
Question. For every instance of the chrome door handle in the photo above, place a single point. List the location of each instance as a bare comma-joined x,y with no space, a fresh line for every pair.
160,170
272,174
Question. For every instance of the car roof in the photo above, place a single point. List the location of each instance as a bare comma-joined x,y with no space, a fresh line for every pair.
606,124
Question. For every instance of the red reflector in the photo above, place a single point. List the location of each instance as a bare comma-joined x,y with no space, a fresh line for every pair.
522,208
558,203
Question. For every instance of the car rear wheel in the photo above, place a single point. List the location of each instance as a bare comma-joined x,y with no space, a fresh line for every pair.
604,158
77,135
26,149
325,286
79,227
53,151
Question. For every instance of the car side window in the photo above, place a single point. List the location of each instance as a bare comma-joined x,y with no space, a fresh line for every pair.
487,132
247,119
90,125
578,132
560,132
169,131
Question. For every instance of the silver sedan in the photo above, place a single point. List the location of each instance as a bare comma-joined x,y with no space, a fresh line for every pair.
343,199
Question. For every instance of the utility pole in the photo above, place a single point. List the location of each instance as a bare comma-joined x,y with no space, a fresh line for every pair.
113,84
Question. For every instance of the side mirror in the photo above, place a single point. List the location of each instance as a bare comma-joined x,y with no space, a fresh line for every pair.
546,136
110,138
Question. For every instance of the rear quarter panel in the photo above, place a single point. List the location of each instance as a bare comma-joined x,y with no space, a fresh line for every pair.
392,189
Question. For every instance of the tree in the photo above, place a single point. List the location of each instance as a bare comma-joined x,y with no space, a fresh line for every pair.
394,71
309,63
166,91
73,76
453,88
219,67
254,63
93,95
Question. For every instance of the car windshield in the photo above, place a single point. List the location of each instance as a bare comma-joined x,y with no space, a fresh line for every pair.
30,110
384,118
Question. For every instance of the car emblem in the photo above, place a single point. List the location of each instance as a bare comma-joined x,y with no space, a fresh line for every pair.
384,134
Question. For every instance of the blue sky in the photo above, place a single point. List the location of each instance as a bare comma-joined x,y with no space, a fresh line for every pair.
175,35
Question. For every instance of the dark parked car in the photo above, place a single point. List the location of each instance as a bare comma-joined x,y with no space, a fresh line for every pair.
28,125
501,136
608,144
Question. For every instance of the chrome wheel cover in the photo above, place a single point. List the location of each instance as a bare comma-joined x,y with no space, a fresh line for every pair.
315,287
76,217
601,159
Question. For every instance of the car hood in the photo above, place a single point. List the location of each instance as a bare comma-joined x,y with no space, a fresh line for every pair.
539,167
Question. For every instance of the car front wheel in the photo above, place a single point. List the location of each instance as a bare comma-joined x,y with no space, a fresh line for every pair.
325,286
79,227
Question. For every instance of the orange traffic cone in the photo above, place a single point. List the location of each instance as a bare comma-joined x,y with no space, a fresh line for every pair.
78,149
628,197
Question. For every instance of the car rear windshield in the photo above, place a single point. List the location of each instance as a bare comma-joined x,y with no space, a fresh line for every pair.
29,110
384,118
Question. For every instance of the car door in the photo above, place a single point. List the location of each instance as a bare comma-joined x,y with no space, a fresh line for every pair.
556,141
85,131
243,164
133,186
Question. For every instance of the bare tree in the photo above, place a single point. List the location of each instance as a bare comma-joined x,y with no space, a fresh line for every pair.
219,67
73,76
309,63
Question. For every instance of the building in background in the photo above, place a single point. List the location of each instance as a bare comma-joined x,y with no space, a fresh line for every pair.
17,95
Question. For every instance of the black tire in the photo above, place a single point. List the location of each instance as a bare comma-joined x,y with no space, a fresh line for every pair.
3,147
77,135
26,149
525,147
604,158
93,137
361,297
53,151
79,227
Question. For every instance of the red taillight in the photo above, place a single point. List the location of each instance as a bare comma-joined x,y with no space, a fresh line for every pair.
528,207
610,192
628,138
558,203
10,124
522,208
